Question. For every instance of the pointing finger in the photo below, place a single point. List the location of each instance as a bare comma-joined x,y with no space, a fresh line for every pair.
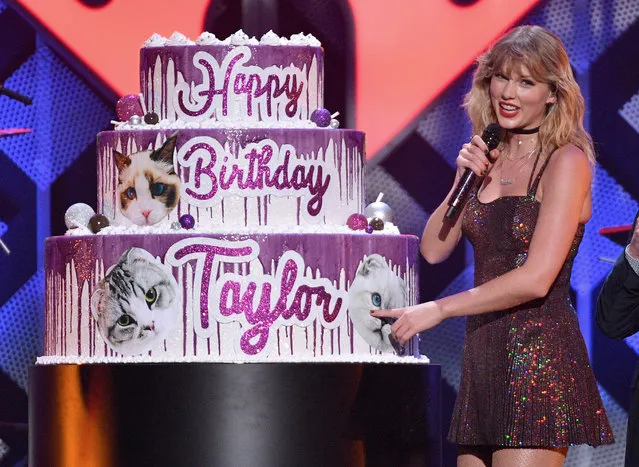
387,313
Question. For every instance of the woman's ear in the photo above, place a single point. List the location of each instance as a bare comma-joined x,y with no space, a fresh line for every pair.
552,99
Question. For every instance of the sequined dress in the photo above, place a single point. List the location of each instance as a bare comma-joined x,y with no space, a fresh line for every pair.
526,378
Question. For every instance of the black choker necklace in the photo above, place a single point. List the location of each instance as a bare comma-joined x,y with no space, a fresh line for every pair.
521,131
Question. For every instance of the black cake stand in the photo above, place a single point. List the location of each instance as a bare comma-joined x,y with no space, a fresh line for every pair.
225,414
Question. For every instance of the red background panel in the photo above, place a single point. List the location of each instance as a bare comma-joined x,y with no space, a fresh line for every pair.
407,51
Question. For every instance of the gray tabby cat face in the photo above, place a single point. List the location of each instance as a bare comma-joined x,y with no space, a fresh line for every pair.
148,187
137,304
375,287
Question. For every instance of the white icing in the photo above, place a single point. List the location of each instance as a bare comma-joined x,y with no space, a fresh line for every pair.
207,38
270,38
238,123
177,38
377,359
155,41
303,39
165,227
237,38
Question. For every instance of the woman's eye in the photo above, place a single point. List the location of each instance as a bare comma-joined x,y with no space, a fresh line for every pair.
130,193
125,320
527,82
157,189
151,296
377,299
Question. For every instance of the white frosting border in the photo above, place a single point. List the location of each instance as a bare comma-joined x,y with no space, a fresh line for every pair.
237,38
377,359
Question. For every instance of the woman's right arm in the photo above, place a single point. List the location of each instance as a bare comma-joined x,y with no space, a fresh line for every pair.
441,235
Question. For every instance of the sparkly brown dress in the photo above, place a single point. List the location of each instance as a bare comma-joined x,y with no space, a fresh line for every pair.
526,379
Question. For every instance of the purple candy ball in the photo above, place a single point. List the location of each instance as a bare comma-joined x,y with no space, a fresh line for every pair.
128,106
357,221
321,117
369,229
187,221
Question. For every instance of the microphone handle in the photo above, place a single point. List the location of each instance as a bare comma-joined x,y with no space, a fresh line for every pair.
458,198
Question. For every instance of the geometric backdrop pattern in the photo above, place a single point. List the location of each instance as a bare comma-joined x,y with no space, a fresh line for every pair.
73,114
19,324
42,170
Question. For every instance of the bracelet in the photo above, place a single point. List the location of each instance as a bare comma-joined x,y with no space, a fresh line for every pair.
634,262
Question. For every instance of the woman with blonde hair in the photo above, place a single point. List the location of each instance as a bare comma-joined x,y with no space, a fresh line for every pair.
527,390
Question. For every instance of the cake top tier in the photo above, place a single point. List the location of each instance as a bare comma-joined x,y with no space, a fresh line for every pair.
238,80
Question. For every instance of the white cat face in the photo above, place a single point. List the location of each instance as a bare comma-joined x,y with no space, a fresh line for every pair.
375,287
137,304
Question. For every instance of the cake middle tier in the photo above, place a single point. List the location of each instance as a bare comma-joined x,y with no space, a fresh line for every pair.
235,297
231,177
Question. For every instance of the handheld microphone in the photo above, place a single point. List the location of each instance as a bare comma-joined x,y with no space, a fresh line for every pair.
492,136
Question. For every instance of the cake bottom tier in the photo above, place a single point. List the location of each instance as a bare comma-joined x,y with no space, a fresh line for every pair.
221,297
266,414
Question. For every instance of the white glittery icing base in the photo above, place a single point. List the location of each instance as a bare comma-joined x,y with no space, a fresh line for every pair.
378,359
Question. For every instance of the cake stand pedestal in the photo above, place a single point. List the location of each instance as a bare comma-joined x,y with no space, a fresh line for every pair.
224,414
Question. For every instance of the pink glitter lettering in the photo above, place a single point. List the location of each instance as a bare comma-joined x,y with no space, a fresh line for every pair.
200,170
262,318
250,81
210,256
260,304
255,169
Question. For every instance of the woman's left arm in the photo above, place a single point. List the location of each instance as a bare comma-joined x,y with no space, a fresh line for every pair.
566,184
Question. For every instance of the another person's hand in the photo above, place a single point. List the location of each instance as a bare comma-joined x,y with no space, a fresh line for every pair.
633,247
411,320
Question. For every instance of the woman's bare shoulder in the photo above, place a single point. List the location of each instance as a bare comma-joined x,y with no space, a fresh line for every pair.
569,160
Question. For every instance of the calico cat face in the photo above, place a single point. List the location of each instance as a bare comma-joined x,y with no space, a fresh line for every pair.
137,304
148,187
375,287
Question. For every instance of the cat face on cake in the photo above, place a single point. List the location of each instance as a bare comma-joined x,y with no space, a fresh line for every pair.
137,304
148,187
376,287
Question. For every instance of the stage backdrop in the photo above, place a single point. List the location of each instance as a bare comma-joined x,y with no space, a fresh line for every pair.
399,75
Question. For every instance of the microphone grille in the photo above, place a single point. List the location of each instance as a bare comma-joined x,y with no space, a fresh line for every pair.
492,135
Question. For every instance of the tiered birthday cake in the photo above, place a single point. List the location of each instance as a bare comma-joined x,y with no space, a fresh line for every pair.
231,222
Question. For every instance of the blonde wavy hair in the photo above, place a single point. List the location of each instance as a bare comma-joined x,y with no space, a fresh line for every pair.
545,57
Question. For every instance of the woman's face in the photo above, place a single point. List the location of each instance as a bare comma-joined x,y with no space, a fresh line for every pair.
519,100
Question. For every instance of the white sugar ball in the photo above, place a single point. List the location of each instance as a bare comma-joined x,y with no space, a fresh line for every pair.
78,215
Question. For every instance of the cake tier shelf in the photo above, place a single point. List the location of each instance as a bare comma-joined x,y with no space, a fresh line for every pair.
224,414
